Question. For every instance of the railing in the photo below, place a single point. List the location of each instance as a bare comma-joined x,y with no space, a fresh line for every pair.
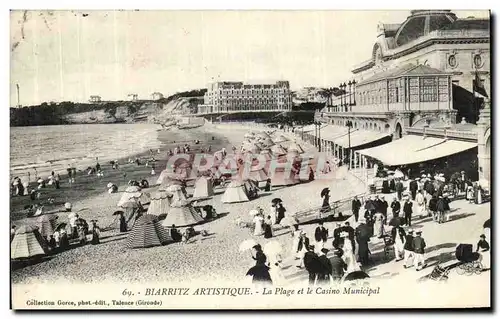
465,135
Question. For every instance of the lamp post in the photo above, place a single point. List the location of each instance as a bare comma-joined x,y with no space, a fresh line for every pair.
341,99
350,84
354,91
344,86
349,126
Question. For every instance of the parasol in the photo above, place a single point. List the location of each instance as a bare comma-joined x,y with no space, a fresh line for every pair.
390,172
247,245
118,212
272,248
356,275
398,174
253,212
67,205
289,221
110,185
325,191
487,224
276,201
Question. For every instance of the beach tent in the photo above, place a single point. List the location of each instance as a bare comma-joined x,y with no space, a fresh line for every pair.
278,150
262,135
178,192
235,192
131,193
279,139
268,142
147,232
169,182
160,203
283,177
181,214
46,225
267,154
27,243
203,188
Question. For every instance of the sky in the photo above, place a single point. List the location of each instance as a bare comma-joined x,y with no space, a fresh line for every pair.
70,55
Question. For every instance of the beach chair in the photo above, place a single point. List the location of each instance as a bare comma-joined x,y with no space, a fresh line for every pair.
439,273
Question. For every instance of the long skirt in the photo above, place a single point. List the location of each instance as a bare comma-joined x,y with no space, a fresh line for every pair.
268,231
378,229
363,251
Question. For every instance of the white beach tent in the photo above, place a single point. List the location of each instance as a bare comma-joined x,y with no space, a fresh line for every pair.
160,203
203,188
235,192
133,192
181,214
27,243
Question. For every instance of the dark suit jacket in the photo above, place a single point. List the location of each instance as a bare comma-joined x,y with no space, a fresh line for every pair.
413,186
356,205
402,233
407,208
383,207
409,243
336,232
321,234
302,241
399,187
419,245
396,206
326,266
311,262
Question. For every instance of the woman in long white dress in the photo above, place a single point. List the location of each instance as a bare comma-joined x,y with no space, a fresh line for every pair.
258,221
273,213
378,226
295,234
420,207
349,257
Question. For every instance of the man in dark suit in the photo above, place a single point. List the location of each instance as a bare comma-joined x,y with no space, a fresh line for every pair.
325,268
413,189
396,221
399,189
337,231
398,242
395,206
356,205
408,247
312,264
408,211
363,234
320,235
383,207
350,234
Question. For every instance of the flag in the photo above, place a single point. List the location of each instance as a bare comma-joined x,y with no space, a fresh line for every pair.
478,87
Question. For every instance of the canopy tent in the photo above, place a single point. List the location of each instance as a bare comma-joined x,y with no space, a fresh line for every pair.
166,183
181,214
27,243
147,232
267,154
360,137
163,176
268,142
279,139
295,147
283,177
258,175
416,149
160,203
235,192
278,150
203,188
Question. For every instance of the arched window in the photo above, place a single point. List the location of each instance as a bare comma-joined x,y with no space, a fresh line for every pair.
412,30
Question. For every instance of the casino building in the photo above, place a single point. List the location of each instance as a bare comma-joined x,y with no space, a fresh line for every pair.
223,97
427,82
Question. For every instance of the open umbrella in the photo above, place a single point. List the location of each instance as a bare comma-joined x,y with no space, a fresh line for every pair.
272,248
356,275
276,201
398,174
325,191
247,244
118,212
487,224
253,212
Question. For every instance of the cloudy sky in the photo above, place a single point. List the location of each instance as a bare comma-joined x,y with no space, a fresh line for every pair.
70,55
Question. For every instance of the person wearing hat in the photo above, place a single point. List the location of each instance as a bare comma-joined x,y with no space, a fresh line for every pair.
336,235
432,206
408,211
338,265
408,247
399,189
350,234
383,207
355,206
413,186
325,268
385,186
348,253
419,250
312,264
395,206
483,248
440,207
363,233
320,235
420,209
398,238
325,194
260,272
96,232
301,248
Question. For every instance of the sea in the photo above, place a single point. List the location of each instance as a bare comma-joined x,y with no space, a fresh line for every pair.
42,149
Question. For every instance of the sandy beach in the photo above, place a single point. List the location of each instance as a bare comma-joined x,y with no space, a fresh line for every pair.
215,257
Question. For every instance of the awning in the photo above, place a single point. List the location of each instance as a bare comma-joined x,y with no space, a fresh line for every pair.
360,137
333,132
310,128
415,149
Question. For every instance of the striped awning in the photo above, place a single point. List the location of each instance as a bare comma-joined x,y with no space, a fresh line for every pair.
416,149
360,137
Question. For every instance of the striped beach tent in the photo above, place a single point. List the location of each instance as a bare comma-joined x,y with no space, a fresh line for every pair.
283,177
147,232
27,243
181,214
160,203
46,225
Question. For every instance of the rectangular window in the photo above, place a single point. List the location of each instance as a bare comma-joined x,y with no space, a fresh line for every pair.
428,89
413,90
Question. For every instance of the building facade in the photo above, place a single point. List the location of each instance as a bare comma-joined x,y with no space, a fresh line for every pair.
422,77
132,97
222,97
95,99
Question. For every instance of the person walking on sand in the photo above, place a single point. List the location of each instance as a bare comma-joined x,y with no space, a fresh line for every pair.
398,237
408,211
408,247
301,248
355,206
96,233
399,189
325,194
